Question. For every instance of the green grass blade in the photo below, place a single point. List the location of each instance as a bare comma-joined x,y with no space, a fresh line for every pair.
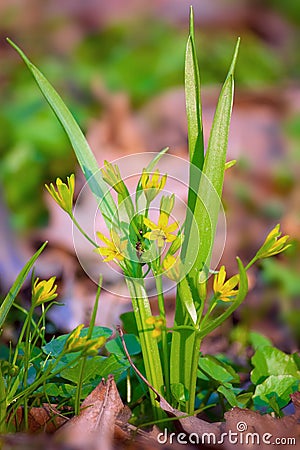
14,290
82,150
208,201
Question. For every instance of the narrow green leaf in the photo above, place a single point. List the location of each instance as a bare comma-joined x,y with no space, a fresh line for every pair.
193,100
82,150
14,290
218,370
195,127
243,289
208,199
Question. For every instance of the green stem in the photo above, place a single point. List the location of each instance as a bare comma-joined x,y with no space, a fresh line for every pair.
164,337
27,352
2,404
150,352
190,406
79,386
83,232
84,358
253,261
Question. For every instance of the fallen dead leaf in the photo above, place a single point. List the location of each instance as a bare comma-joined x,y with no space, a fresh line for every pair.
242,429
94,427
45,418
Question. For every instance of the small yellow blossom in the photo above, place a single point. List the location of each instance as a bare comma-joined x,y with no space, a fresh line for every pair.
76,343
43,291
172,267
273,245
158,323
115,247
63,193
152,186
111,174
162,231
225,290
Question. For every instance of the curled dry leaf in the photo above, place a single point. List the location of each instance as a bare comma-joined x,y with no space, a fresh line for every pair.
94,427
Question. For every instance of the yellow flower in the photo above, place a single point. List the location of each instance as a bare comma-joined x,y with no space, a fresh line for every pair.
76,343
273,245
115,247
43,291
63,193
225,290
173,267
162,231
152,186
111,175
158,323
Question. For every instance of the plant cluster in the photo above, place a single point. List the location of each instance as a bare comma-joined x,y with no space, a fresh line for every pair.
143,246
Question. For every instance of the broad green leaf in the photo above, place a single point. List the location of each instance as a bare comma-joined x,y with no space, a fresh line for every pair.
83,152
257,340
98,366
276,388
56,345
243,289
132,344
244,399
229,395
272,361
14,290
217,370
129,322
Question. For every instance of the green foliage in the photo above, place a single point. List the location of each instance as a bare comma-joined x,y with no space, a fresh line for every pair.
172,370
275,375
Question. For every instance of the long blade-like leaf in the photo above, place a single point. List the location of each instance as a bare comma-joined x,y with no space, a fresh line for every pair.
193,100
14,290
82,150
194,122
208,200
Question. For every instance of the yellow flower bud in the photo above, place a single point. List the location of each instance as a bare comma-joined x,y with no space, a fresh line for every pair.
63,193
43,291
273,244
152,186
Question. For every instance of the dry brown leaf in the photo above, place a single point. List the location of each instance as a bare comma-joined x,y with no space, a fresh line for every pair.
94,427
242,429
45,418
